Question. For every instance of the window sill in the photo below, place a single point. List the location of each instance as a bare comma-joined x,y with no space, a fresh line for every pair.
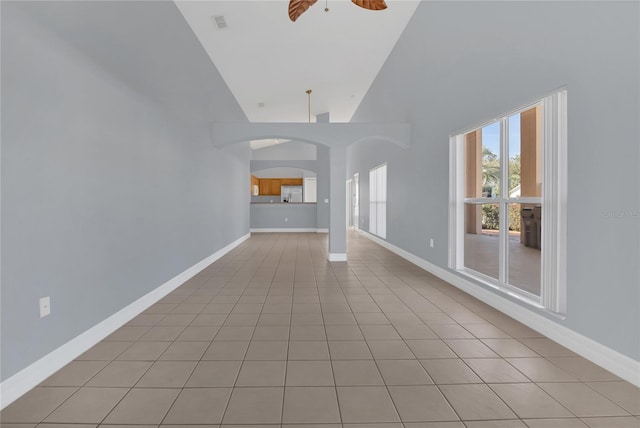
523,296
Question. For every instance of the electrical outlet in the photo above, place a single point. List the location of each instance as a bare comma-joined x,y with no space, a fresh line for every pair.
431,242
286,219
45,306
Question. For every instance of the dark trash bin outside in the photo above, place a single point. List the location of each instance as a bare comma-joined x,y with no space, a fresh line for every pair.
537,219
529,230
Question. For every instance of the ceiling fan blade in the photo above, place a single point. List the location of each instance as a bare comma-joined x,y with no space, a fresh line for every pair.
298,7
370,4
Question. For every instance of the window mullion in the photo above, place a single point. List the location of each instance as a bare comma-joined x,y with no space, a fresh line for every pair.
503,262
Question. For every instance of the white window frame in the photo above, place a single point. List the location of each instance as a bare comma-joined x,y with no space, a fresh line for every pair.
553,290
378,201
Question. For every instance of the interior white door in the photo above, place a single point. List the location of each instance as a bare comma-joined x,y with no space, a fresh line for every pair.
310,189
356,201
349,204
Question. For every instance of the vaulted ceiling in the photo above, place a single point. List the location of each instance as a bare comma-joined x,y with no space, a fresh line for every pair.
269,62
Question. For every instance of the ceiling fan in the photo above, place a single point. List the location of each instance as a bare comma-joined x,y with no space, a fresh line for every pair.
298,7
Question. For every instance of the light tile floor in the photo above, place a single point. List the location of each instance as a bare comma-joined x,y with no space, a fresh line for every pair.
272,335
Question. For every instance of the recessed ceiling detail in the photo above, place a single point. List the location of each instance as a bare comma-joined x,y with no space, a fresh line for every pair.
264,56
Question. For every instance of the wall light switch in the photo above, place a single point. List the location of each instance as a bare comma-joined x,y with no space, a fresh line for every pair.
326,201
45,306
286,219
431,242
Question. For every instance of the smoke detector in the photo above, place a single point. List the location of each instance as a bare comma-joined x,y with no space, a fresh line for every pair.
219,22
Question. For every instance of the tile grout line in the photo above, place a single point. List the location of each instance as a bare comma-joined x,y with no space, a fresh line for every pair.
333,374
375,362
201,356
416,358
483,382
286,362
224,413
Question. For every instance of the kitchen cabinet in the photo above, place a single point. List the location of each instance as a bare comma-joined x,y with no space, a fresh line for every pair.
291,181
255,181
271,186
265,186
276,183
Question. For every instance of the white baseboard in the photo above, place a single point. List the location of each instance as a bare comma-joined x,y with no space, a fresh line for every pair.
284,229
322,230
337,257
621,365
23,381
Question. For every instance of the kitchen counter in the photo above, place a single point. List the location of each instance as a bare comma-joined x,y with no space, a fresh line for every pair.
284,215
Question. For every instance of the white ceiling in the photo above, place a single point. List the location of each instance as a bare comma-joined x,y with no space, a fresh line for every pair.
265,58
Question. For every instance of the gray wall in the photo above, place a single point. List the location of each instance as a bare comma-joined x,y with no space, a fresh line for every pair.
110,185
291,150
323,187
270,216
276,168
279,172
267,198
459,64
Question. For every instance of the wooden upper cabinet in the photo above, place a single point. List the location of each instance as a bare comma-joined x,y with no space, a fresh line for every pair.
275,186
291,181
271,186
255,181
265,186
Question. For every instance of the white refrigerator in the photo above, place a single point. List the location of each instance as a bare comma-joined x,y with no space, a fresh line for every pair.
291,194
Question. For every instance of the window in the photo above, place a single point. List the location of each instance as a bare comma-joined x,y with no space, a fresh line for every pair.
378,201
508,193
